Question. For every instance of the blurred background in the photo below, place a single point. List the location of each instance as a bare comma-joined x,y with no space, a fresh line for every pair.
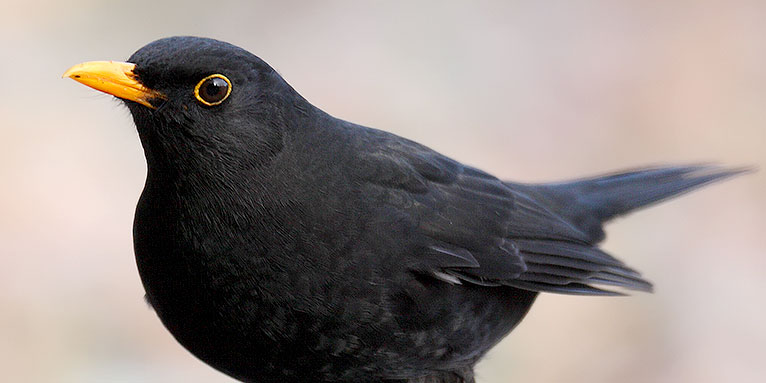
529,91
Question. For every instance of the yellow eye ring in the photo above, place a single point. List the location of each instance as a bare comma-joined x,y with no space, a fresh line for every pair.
213,90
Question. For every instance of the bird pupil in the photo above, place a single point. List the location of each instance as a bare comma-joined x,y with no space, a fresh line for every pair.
215,88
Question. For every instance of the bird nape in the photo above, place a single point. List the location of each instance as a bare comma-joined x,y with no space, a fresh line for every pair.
280,244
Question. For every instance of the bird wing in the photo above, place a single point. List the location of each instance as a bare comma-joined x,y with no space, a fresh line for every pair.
471,227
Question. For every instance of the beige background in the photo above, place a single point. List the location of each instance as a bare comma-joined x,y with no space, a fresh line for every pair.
528,90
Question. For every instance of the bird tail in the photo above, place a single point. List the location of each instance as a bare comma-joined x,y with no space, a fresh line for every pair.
588,203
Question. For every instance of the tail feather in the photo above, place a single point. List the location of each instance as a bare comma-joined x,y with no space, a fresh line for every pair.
588,203
581,268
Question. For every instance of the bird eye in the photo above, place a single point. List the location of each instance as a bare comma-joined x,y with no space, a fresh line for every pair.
213,90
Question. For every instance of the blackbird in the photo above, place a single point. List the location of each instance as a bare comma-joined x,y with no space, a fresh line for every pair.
278,243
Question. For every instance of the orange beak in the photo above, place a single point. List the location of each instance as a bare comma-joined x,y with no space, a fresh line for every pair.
115,78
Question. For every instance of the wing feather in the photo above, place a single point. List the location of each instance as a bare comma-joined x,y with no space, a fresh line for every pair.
474,228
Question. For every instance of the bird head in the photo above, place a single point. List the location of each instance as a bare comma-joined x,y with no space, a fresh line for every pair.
200,100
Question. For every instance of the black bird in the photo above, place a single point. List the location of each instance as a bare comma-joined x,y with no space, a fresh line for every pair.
280,244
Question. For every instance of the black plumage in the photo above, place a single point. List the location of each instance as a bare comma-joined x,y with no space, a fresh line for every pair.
280,244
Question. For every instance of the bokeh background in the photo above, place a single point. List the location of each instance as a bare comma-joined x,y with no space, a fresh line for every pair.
527,90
